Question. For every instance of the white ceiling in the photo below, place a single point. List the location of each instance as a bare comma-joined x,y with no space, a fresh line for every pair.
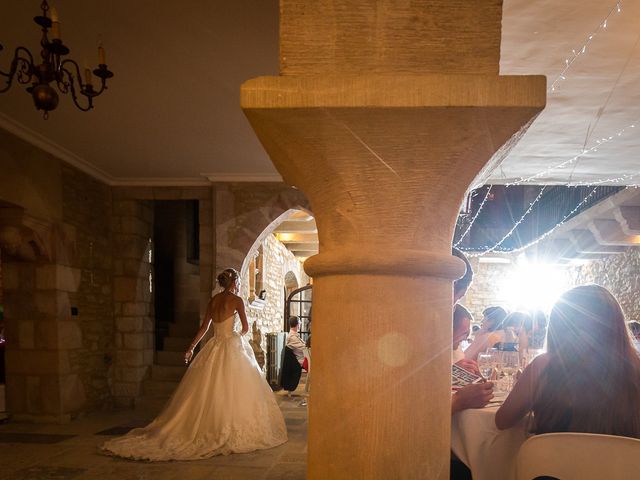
172,115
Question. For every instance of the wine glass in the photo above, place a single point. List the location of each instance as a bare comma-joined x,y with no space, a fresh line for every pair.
510,365
486,364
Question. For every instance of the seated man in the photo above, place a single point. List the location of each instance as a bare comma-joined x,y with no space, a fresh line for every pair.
476,395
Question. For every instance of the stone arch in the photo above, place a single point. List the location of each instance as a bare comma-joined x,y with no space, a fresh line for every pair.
291,281
264,234
246,214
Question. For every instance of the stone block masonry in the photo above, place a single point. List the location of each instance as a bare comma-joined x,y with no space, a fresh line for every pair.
132,223
621,275
59,305
83,272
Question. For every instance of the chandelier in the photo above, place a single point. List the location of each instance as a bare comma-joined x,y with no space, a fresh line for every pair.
54,68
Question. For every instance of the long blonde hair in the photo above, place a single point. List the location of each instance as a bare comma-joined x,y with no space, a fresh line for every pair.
592,381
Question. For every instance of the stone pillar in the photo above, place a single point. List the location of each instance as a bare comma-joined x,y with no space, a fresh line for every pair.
383,115
132,298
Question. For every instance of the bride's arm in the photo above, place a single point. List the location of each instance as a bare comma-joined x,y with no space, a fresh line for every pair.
243,316
204,328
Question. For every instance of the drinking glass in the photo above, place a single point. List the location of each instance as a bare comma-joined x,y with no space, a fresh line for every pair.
528,355
486,364
509,368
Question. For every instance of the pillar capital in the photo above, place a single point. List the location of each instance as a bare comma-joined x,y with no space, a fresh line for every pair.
388,157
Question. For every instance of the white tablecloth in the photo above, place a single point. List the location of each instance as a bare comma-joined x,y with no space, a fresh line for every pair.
489,453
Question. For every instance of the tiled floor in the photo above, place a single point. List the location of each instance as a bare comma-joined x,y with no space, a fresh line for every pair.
70,451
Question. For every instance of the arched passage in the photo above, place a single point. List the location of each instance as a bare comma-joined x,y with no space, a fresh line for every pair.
272,268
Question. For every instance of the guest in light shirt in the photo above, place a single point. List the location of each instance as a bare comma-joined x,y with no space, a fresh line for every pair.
294,342
475,395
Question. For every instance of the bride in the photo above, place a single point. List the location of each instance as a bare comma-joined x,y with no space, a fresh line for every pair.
223,404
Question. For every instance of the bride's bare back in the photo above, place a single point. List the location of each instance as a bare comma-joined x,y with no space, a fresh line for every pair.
223,305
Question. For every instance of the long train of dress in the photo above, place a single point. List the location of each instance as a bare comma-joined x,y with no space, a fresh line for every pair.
223,405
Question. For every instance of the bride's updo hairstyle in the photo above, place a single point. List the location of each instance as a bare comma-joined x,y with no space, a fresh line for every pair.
228,277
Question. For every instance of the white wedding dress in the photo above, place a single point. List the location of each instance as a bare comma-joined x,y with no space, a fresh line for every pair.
223,405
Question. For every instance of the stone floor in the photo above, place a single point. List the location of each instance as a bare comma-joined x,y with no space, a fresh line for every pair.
70,451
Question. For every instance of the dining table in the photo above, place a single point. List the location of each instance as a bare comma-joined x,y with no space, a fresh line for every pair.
489,453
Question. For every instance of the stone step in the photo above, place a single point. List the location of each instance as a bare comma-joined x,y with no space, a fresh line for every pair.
170,358
167,372
158,388
177,344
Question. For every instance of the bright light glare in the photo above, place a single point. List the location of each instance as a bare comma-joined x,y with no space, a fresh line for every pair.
533,286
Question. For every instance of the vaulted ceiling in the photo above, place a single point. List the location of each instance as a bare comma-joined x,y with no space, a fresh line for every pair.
172,115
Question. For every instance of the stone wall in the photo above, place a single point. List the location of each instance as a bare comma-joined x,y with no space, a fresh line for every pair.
620,274
268,317
483,292
56,246
88,332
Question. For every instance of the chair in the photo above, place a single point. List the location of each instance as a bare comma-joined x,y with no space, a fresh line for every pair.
579,456
291,371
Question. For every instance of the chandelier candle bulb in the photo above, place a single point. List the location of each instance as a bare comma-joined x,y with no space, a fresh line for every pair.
102,57
55,30
87,76
55,24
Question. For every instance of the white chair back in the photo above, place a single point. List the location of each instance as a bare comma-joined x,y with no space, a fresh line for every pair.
579,456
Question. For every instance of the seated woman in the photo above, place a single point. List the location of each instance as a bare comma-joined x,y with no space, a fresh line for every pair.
589,381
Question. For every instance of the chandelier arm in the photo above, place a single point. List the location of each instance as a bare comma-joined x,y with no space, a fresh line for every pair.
27,70
71,87
103,86
63,85
85,89
26,66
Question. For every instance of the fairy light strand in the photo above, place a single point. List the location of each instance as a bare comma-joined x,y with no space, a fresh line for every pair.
552,230
562,222
599,143
484,200
626,176
568,62
513,229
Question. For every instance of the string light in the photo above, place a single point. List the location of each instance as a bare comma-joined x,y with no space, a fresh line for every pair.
626,176
568,62
599,143
542,237
562,222
513,229
474,217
